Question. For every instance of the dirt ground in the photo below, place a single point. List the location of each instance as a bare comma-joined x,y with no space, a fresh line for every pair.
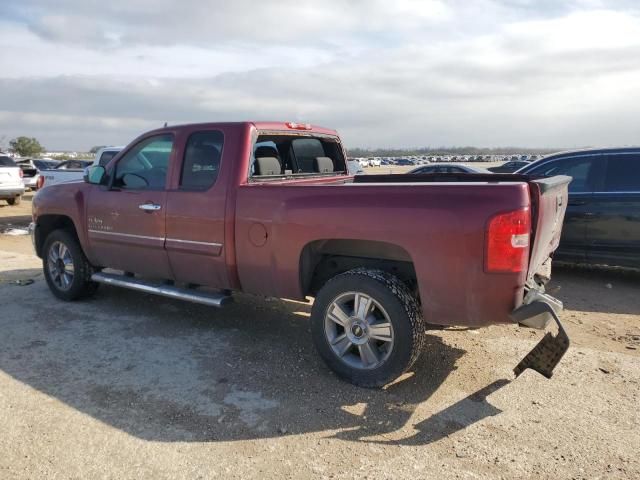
127,385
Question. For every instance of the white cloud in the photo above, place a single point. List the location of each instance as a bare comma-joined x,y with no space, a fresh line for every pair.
407,73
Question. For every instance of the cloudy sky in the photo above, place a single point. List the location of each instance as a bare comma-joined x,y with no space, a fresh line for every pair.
531,73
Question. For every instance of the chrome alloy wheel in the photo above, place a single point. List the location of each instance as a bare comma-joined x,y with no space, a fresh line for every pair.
60,264
358,330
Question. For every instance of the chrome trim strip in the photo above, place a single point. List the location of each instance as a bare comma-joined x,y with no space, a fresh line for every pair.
617,193
193,242
128,235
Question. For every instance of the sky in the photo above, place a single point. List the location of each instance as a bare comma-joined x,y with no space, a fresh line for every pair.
407,73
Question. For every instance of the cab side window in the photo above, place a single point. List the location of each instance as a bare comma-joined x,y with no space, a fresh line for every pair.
145,166
201,160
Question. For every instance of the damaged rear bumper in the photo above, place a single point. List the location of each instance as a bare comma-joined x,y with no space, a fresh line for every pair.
538,312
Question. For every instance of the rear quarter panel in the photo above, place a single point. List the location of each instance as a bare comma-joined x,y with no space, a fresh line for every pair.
440,226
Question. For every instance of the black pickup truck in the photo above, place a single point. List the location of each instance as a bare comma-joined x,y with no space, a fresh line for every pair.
602,223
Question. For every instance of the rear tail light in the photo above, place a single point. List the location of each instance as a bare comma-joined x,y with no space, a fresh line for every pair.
40,182
298,126
507,242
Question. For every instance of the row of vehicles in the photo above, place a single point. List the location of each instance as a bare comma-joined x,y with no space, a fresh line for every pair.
424,159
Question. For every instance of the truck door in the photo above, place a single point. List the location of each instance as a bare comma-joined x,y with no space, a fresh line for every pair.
126,219
614,229
196,205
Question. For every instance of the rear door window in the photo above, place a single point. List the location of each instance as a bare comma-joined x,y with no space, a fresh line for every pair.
201,160
623,173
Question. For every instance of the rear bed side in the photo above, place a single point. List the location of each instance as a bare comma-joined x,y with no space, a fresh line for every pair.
440,226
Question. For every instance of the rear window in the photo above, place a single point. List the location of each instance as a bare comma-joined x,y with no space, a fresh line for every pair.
623,173
290,155
7,161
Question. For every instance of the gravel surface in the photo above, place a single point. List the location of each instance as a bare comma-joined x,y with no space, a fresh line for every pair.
127,385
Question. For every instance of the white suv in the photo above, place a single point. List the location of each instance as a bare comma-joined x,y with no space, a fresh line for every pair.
11,186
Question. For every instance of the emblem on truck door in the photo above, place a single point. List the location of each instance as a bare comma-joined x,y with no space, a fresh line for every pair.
96,224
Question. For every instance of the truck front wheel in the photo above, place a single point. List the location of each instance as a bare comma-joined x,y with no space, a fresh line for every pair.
66,269
367,326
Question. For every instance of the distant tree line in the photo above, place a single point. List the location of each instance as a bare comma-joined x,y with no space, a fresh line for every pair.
402,152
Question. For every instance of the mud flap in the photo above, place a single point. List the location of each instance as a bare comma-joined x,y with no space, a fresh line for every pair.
549,351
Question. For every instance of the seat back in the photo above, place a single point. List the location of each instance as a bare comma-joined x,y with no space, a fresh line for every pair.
323,165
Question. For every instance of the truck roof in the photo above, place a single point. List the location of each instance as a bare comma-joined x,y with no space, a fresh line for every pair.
261,125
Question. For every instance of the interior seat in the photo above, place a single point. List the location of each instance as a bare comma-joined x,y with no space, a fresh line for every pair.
267,161
323,165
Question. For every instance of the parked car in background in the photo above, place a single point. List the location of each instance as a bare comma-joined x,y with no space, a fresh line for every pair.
11,186
31,168
448,168
602,224
508,167
404,162
72,170
354,167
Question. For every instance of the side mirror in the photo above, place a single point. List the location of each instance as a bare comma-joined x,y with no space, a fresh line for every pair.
94,174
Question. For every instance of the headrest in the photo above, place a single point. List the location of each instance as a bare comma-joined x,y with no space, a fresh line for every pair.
266,151
322,165
267,166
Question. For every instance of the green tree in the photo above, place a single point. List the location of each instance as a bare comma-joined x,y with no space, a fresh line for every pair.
26,146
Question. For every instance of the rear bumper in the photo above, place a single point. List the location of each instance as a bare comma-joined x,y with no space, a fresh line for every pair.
11,192
537,312
30,182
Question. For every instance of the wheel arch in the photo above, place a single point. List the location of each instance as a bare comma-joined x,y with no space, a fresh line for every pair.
49,223
321,260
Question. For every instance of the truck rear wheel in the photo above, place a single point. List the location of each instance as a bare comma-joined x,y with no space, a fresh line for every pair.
66,269
15,200
367,326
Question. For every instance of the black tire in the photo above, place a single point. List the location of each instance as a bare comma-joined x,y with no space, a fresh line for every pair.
81,285
14,200
403,313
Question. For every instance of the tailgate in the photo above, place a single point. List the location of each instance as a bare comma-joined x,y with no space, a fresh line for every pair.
549,197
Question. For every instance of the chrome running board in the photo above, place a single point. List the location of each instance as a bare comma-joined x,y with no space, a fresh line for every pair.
190,295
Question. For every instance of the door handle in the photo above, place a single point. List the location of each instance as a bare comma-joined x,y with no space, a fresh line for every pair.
149,207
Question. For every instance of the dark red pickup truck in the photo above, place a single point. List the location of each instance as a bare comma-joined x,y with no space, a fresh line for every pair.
199,211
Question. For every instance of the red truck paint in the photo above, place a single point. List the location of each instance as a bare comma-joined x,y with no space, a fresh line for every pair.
250,236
